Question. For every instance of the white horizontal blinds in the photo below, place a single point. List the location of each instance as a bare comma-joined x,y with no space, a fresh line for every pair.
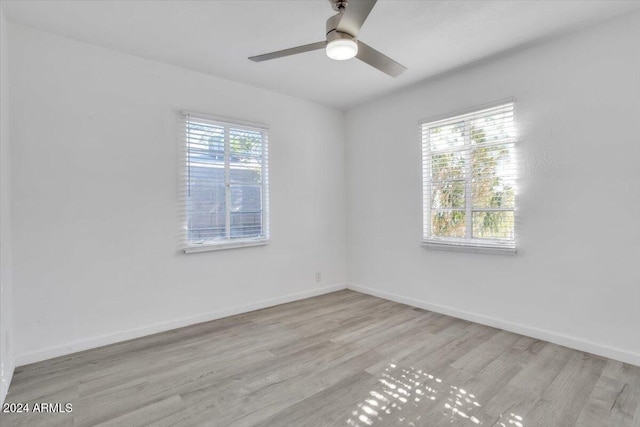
225,181
469,172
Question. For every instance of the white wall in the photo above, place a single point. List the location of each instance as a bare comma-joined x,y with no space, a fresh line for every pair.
95,184
576,278
6,336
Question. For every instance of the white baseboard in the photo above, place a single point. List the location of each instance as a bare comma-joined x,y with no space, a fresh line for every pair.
5,380
530,331
51,352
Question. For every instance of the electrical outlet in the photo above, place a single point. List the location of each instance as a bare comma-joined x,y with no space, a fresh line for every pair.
318,276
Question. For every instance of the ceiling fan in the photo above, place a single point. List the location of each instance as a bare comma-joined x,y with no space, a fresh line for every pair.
342,42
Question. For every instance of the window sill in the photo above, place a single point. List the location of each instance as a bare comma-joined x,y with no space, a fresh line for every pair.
461,247
205,247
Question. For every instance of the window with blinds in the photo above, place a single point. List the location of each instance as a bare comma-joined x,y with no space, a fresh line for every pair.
469,179
224,184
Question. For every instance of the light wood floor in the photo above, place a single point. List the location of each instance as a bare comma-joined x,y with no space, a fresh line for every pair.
342,359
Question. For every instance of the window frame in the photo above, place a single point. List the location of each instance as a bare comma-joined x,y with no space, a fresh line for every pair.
226,123
467,243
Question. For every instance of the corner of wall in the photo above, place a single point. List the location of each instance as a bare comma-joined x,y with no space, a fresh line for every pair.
7,360
7,376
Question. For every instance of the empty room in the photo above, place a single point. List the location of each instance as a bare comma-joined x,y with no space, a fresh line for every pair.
320,213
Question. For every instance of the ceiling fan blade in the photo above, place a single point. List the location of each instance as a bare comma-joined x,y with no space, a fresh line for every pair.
288,52
378,60
354,16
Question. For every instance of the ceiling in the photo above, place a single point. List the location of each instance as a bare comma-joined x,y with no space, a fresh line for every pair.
216,37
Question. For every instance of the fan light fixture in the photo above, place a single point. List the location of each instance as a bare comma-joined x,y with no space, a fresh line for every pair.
342,49
341,39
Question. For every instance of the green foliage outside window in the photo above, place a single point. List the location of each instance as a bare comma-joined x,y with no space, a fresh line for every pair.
458,166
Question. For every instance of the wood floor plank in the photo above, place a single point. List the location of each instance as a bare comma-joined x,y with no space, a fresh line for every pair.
567,395
268,401
472,388
339,402
615,397
144,415
420,339
343,359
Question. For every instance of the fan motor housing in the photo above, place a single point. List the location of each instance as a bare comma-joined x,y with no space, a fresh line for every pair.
333,33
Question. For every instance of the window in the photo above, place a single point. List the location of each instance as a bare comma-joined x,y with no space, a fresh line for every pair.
468,175
225,185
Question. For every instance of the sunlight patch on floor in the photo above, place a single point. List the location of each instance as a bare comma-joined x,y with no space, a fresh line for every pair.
404,395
